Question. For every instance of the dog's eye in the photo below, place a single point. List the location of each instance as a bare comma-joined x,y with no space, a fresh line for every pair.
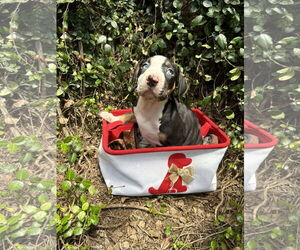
145,65
170,72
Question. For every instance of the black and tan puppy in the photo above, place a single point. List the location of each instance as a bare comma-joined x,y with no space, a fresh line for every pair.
161,118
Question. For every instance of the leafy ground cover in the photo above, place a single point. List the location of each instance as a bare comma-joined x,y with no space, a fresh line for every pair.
98,47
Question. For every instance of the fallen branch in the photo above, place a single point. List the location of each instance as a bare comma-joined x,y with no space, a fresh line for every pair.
222,199
110,227
116,206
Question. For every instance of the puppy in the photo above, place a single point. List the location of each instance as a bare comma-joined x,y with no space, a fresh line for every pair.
161,118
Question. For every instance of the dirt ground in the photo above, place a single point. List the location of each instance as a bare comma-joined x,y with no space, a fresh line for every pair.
155,222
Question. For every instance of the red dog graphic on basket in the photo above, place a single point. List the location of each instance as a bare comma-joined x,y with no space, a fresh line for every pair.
177,173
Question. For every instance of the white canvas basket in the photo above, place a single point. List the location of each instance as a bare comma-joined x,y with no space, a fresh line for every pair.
160,170
255,154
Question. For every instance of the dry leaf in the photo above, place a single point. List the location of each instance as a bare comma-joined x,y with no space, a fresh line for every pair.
165,244
20,103
63,120
10,120
69,103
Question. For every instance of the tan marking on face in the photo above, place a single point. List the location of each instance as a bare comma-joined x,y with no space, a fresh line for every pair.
162,137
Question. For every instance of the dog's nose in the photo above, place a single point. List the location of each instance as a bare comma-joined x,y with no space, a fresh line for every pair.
152,81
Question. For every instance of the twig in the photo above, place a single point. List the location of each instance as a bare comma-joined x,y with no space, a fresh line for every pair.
207,237
41,64
261,204
222,199
261,232
110,227
115,206
8,240
9,118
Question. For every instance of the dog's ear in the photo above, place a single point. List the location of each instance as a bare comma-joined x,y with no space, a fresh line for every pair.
183,87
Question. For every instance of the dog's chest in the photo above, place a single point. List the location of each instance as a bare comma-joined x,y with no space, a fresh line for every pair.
148,115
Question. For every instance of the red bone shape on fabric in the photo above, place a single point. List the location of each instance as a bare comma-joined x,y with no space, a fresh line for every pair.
180,161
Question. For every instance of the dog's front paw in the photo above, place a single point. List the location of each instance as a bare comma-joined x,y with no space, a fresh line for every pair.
108,116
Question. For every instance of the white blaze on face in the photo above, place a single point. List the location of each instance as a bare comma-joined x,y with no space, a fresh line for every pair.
155,69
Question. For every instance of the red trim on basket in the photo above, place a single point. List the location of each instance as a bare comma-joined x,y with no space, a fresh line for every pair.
203,119
266,140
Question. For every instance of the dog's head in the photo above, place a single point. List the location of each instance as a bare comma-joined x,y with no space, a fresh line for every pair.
157,77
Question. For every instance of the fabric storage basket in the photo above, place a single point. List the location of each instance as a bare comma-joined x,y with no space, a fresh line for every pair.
255,154
160,170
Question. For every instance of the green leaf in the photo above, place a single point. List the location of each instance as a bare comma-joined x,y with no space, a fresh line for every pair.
102,39
18,234
62,168
3,229
236,73
83,198
64,148
221,218
34,146
264,41
77,231
40,216
19,139
206,46
278,116
30,209
12,148
2,219
296,52
161,43
274,235
107,48
221,41
114,24
70,175
66,185
213,245
81,216
95,209
287,40
48,183
68,234
42,198
229,114
60,91
8,168
5,91
52,68
198,20
75,209
251,245
14,219
234,70
34,231
27,157
15,185
94,219
22,174
177,4
288,75
148,204
92,190
169,35
284,70
207,3
72,158
46,206
85,206
263,218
